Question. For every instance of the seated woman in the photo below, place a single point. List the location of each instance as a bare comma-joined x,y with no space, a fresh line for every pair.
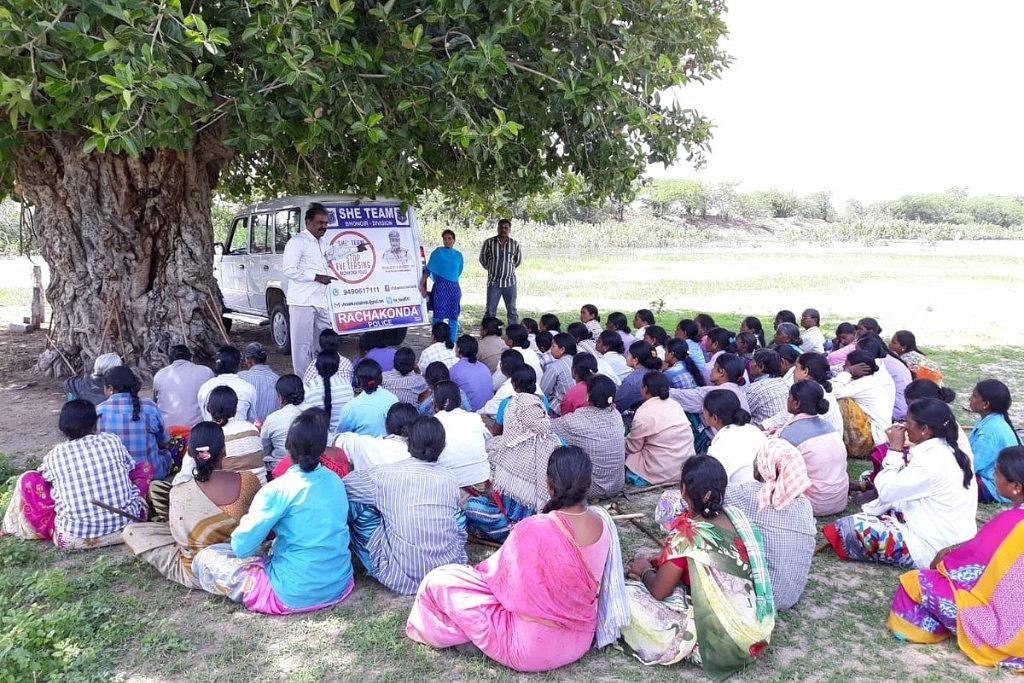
719,341
310,566
991,434
895,370
519,458
290,394
919,388
510,360
434,373
973,588
139,425
584,366
641,358
203,510
597,430
768,389
865,403
404,382
466,437
727,372
657,337
820,445
557,379
53,502
812,366
404,517
91,388
505,607
329,390
441,349
680,369
776,504
788,334
373,348
904,345
617,323
365,413
364,451
660,439
736,441
490,346
753,325
843,344
612,353
688,331
471,375
746,345
926,500
243,450
706,597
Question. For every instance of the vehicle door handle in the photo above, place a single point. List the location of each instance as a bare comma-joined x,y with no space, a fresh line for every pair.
266,267
241,266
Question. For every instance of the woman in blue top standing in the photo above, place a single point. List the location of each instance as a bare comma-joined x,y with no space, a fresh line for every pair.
445,266
310,566
991,434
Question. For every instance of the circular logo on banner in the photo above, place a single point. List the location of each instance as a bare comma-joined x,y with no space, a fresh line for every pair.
357,266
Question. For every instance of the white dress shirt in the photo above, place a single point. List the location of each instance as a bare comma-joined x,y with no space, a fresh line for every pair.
245,392
305,257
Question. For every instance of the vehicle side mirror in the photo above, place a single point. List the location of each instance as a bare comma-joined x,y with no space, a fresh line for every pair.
218,248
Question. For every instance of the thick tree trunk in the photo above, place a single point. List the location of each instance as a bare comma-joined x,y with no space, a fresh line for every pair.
130,248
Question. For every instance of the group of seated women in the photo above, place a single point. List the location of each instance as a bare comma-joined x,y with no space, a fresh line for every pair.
471,442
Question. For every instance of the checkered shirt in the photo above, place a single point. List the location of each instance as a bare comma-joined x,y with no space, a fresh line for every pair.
406,387
767,397
142,438
94,467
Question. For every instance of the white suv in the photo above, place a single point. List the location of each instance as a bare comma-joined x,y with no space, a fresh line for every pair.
249,266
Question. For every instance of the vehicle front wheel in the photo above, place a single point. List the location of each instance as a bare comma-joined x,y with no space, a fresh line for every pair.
280,332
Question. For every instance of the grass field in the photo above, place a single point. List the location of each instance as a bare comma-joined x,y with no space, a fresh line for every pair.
103,615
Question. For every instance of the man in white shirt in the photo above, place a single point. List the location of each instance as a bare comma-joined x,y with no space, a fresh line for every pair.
176,388
812,339
226,367
305,266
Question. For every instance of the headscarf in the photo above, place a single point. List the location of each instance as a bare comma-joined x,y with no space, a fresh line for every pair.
784,473
446,263
520,455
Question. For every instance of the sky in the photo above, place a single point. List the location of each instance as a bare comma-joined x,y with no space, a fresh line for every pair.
871,100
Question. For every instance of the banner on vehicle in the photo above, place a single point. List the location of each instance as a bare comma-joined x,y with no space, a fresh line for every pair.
378,287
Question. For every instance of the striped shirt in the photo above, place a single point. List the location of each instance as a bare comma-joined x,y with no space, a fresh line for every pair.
243,452
418,503
500,261
264,381
243,449
557,381
341,395
344,369
275,432
94,467
407,388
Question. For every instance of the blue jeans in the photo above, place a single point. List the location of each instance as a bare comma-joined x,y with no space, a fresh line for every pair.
508,295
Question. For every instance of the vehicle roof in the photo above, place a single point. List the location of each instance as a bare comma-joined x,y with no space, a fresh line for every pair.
306,199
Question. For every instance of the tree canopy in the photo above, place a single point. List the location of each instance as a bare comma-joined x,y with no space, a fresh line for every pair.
369,96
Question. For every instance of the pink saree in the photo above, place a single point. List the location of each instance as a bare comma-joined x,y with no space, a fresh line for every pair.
531,606
974,592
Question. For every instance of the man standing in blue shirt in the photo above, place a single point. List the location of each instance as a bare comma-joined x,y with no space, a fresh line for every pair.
500,256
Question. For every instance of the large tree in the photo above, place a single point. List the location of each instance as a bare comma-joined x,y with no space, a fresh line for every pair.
123,116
